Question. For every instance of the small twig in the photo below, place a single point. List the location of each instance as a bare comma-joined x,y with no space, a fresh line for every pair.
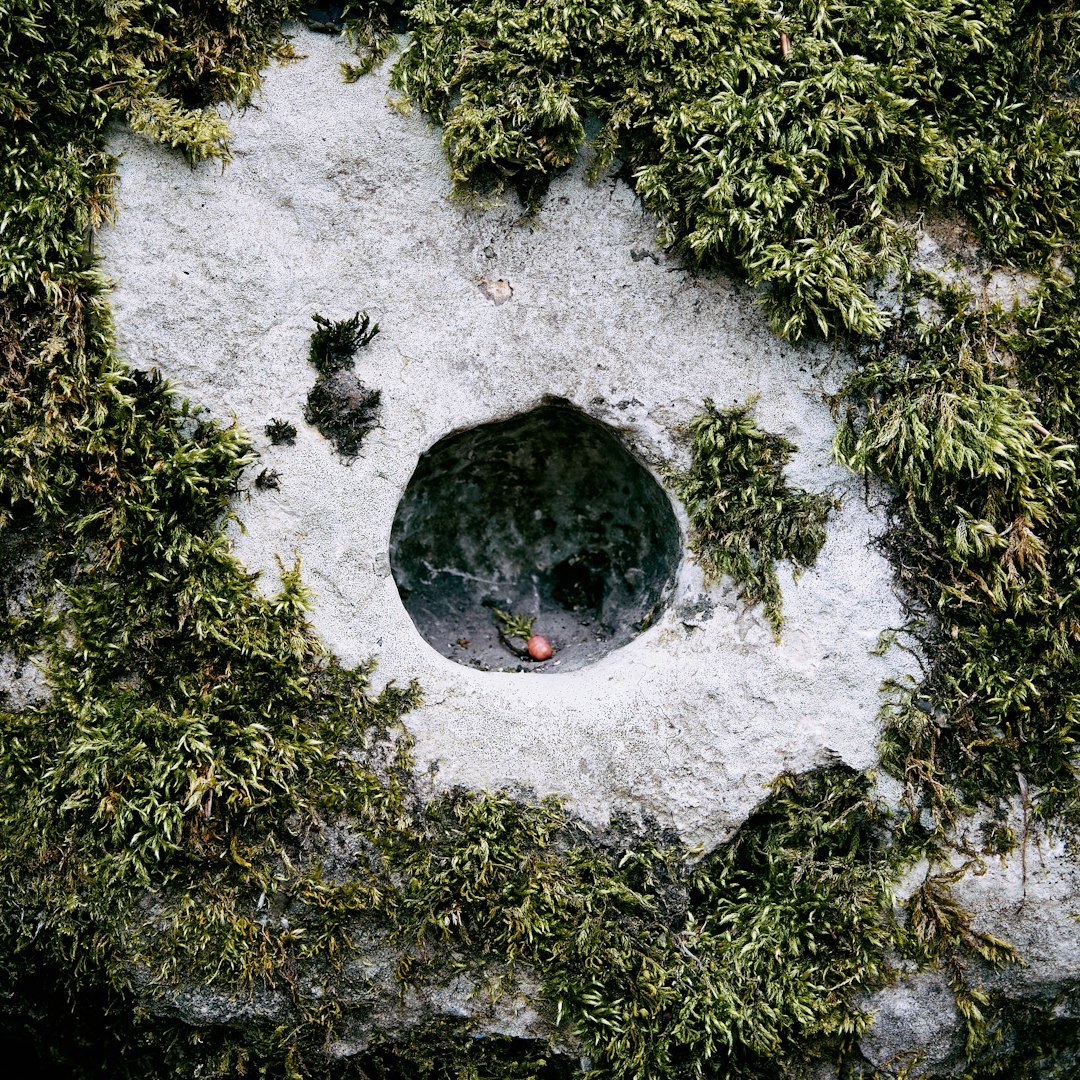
522,653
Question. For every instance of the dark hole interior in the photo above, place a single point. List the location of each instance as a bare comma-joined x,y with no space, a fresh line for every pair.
546,515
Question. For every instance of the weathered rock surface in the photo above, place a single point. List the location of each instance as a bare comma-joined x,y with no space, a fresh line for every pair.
1031,899
335,202
916,1025
22,683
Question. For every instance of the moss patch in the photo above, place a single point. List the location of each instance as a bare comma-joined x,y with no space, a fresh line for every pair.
163,820
744,515
339,404
796,167
971,416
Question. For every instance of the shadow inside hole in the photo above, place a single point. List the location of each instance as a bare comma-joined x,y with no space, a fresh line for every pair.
545,515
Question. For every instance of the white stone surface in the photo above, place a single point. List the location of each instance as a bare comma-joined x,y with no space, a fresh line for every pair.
22,683
335,202
917,1027
1031,898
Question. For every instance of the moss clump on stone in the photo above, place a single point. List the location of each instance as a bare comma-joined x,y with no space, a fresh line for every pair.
971,416
745,517
440,1054
70,68
742,965
798,168
344,410
1035,1042
281,432
339,404
334,343
166,814
371,28
194,728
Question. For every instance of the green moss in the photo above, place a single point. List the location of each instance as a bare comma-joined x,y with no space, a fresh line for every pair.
1034,1043
514,625
745,517
442,1055
970,415
164,815
339,404
281,432
334,344
744,964
797,168
69,68
370,29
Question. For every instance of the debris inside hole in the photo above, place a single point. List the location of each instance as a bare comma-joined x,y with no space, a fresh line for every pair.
579,582
547,516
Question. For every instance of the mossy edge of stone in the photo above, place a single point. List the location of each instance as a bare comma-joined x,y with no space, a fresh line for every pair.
743,514
114,469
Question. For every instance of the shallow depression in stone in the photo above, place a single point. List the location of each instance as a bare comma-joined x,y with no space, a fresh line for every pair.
545,515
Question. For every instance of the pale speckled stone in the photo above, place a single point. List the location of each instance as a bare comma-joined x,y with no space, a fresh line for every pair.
22,683
1030,899
335,202
916,1026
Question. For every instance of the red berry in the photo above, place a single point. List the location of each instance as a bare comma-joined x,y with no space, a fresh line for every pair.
539,647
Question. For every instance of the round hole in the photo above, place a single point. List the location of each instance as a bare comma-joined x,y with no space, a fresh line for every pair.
545,516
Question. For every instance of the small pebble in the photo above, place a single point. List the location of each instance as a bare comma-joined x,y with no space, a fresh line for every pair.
498,291
539,647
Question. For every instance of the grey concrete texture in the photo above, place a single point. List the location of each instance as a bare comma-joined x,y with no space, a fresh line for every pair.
1029,898
917,1027
335,202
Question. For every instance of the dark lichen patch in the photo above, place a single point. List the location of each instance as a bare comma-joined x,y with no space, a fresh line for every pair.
281,432
342,408
745,516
